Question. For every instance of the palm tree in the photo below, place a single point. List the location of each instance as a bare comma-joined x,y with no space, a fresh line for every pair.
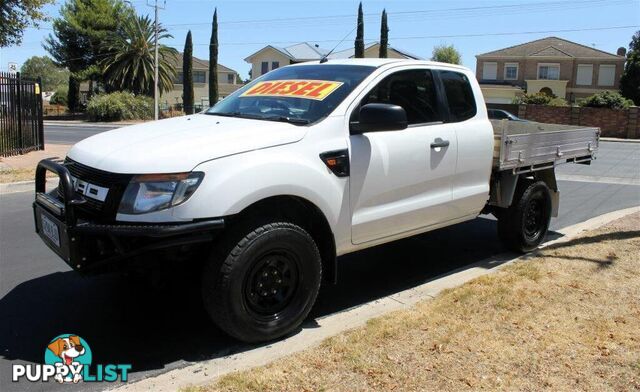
129,63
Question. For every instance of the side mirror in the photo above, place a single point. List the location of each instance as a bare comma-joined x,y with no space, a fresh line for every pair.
377,117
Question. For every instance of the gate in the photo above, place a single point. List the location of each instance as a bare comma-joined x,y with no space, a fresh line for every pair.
21,127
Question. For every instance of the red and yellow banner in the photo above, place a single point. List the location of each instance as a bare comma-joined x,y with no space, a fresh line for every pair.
309,89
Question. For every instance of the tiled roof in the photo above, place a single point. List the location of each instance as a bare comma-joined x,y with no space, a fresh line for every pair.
305,51
199,64
349,53
551,46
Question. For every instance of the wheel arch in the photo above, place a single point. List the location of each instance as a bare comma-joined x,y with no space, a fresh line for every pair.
504,185
304,213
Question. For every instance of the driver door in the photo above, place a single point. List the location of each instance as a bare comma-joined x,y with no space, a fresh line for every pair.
401,181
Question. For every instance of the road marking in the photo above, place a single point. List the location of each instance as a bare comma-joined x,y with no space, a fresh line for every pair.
599,180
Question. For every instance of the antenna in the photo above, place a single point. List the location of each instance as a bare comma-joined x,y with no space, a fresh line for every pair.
324,58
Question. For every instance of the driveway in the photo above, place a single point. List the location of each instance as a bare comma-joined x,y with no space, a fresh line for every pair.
157,330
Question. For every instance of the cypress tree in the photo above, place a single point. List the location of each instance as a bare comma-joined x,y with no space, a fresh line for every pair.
187,72
384,36
359,44
73,94
213,61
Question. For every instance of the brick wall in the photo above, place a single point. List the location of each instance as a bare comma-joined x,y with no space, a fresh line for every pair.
548,114
612,123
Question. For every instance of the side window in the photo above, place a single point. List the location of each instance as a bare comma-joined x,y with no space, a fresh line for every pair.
462,104
414,90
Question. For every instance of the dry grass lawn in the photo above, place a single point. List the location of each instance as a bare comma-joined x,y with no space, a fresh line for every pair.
15,175
567,318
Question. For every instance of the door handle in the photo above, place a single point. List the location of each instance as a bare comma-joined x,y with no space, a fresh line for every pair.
439,143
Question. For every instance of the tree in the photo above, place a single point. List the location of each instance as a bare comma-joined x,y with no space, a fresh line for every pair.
630,79
53,77
79,34
359,43
213,61
384,36
131,59
16,16
73,94
187,71
446,54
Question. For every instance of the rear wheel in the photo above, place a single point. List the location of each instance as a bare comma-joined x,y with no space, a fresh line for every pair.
523,226
266,282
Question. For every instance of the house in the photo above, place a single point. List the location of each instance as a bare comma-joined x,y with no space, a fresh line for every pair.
549,65
228,82
271,57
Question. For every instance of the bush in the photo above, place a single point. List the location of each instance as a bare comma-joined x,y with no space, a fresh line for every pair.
120,106
607,99
540,99
59,97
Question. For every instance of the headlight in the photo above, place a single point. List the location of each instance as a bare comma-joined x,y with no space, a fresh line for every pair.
153,192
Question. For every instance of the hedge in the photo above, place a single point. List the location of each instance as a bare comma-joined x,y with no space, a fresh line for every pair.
120,106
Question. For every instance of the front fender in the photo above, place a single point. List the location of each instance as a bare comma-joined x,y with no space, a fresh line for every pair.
235,182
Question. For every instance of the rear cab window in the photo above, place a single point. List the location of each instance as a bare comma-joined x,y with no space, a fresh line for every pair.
459,96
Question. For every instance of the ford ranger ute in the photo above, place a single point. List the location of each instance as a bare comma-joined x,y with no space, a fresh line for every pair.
262,192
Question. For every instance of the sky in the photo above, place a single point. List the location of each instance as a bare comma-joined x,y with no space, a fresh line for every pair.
473,27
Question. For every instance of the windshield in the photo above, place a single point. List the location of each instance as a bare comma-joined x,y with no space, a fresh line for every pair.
299,95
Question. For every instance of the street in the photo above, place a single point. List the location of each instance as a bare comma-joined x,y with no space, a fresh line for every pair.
71,134
156,330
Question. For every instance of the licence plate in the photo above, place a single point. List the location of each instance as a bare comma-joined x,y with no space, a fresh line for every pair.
50,230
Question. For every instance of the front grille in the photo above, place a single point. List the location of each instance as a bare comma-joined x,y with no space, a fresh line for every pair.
115,182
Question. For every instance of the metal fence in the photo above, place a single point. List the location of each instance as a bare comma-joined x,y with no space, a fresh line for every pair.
21,127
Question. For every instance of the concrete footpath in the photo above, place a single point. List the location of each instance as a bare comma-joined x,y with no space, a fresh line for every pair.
205,372
30,160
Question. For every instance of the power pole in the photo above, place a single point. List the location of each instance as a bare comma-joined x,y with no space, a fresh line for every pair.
155,61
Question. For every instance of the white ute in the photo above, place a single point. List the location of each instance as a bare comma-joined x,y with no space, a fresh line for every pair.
261,193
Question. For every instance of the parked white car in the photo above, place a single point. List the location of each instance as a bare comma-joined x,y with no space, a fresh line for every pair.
311,161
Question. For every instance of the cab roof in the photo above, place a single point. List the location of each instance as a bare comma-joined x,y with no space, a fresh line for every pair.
377,62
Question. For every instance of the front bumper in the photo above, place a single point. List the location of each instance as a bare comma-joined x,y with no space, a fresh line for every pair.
89,246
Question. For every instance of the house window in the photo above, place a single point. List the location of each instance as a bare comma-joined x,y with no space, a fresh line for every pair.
275,65
178,78
511,71
549,71
490,71
606,75
199,76
584,76
265,67
230,78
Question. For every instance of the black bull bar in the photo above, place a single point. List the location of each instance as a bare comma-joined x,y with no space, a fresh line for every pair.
89,246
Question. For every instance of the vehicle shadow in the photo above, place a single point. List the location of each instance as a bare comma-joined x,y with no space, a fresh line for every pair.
158,329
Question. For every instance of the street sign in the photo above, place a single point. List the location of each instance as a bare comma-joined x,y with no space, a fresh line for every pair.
13,68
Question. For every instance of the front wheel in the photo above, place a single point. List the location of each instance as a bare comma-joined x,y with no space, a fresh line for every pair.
523,226
266,284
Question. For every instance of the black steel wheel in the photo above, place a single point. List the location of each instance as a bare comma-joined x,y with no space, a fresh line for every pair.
523,226
262,282
272,283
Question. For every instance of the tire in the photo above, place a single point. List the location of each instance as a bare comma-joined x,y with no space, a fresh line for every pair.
523,226
264,282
